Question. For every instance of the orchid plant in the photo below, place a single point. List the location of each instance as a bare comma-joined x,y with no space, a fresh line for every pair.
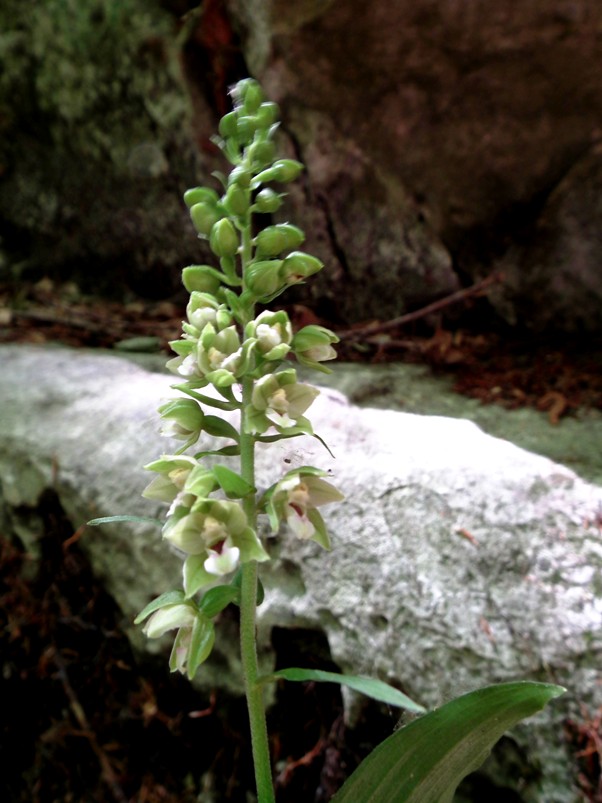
236,360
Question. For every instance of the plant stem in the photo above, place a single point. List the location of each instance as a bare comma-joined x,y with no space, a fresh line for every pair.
248,640
248,590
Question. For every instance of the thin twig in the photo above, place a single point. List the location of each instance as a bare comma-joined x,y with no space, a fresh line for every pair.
459,295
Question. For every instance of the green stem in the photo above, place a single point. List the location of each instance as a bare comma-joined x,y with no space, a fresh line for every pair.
248,591
248,639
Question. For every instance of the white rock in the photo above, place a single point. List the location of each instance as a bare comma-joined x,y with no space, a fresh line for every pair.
458,559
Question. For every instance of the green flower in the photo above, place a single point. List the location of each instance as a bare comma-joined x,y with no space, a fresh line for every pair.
169,618
312,345
174,472
203,308
216,537
279,400
295,499
297,266
273,334
216,357
183,420
194,640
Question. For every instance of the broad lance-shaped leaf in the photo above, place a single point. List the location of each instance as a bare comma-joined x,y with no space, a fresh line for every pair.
166,599
369,686
130,519
232,483
425,761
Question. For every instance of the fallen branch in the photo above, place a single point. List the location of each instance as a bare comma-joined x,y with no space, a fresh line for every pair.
394,323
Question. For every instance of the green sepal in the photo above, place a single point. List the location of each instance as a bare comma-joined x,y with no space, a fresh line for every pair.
176,597
216,599
371,687
250,546
182,347
231,483
321,535
195,575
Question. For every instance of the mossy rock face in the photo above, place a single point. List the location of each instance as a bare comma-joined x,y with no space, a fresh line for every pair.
95,142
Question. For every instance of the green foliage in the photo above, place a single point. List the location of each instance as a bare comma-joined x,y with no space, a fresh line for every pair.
425,761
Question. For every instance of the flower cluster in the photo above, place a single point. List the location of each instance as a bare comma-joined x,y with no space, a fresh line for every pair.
244,357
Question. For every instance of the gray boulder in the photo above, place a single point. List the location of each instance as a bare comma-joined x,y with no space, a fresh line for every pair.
474,115
458,558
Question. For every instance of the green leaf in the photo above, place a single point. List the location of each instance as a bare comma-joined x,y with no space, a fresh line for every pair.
226,451
135,519
208,400
168,598
218,598
232,483
213,425
425,761
195,574
368,686
201,644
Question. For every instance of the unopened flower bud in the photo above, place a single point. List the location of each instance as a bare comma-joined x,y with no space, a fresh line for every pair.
298,266
273,240
253,97
283,170
267,114
200,277
263,278
223,239
245,129
236,200
267,201
241,176
204,216
262,154
240,89
198,195
227,125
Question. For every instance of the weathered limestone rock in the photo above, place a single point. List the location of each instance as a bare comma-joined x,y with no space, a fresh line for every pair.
459,559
